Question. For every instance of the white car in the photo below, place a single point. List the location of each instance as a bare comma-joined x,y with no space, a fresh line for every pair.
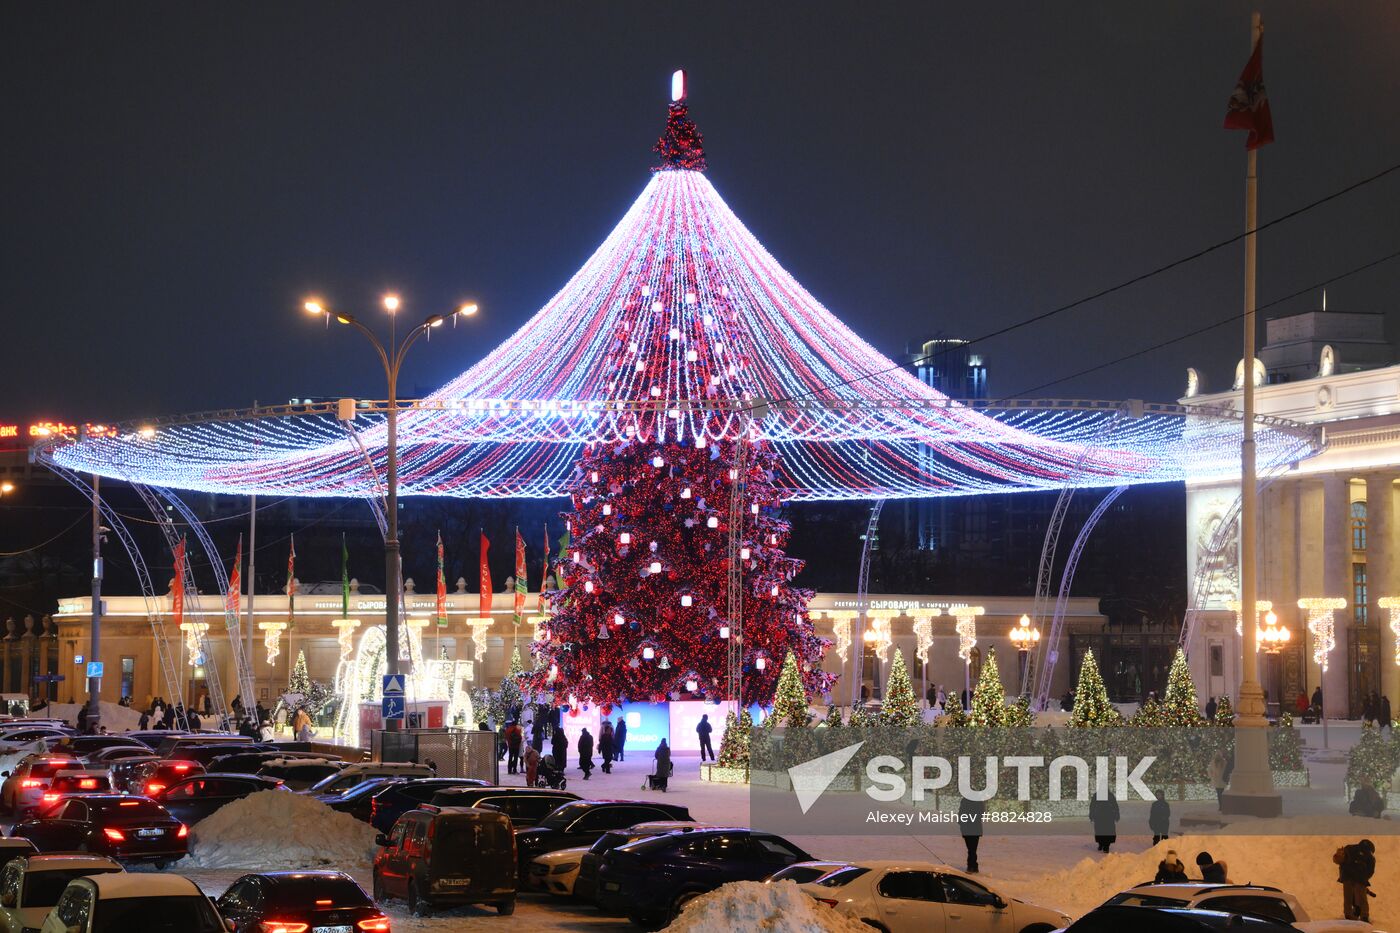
1253,899
351,775
150,903
556,871
925,897
29,887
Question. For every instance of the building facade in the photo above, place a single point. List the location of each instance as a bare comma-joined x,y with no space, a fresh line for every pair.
1326,527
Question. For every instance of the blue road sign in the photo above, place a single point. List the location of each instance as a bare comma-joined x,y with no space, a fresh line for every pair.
393,707
94,669
393,685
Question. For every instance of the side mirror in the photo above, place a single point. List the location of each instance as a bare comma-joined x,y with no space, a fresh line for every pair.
4,774
381,840
7,899
997,902
231,926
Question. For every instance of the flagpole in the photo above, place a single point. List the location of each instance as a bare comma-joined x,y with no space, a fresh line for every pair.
1251,782
252,702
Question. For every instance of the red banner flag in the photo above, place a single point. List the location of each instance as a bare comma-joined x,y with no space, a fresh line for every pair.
177,589
522,582
441,587
485,577
544,566
1248,108
235,583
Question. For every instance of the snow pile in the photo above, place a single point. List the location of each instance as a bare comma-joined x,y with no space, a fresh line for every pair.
115,717
771,908
1292,854
277,829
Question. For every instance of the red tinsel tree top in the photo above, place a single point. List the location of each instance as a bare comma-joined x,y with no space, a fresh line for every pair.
681,146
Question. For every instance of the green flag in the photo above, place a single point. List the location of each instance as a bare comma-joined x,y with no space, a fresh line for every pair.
344,578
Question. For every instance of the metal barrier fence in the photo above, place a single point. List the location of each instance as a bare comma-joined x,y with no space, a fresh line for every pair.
452,752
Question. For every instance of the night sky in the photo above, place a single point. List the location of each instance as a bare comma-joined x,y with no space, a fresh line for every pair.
177,177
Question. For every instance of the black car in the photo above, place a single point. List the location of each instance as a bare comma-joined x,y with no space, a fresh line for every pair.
248,762
194,798
586,883
1172,920
525,806
300,900
152,738
122,771
358,801
80,745
395,800
129,829
581,822
650,880
205,754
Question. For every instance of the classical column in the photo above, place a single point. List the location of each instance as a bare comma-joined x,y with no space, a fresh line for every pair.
1336,581
1380,572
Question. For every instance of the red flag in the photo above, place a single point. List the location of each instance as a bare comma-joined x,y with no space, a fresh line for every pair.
1248,108
235,583
177,590
441,587
485,577
544,577
522,583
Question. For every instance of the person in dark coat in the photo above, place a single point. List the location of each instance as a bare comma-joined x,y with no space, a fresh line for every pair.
585,754
703,729
559,745
1317,699
1355,866
1385,714
1366,802
537,733
621,738
1212,872
1159,818
515,738
663,767
1103,813
607,745
1170,870
1368,710
970,814
82,719
1211,708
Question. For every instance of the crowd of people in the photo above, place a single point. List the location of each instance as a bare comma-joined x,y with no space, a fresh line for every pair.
530,758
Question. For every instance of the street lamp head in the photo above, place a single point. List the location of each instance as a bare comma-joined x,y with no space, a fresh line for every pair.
391,302
467,309
6,488
313,306
147,431
435,321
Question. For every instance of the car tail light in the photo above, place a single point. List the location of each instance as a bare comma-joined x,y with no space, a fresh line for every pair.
827,901
283,926
374,925
87,784
50,798
181,768
116,835
182,832
31,783
154,788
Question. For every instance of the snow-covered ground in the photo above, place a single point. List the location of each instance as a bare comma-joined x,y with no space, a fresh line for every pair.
1063,871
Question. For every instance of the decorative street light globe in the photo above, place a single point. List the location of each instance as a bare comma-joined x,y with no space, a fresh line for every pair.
1025,637
1272,636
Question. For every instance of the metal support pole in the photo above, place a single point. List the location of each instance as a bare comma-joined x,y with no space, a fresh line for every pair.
94,717
251,703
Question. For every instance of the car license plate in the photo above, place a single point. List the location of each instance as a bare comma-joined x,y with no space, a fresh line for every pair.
455,882
611,886
345,928
150,833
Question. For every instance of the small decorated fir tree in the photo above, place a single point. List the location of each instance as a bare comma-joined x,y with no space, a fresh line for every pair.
1285,745
1224,712
833,717
734,746
301,680
1019,714
1091,705
1179,706
900,709
989,697
790,700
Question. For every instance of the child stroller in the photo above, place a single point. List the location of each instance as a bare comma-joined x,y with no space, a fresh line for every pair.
550,776
654,782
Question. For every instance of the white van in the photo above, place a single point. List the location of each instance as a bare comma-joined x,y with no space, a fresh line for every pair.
363,771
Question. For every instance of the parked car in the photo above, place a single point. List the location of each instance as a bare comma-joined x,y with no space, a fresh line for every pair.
358,801
152,777
24,789
394,800
1256,900
803,872
248,761
106,757
581,822
445,857
555,872
205,753
13,847
1172,920
172,744
115,903
152,738
300,773
911,896
194,798
651,879
129,829
80,746
585,885
120,770
66,783
30,887
353,774
298,901
525,806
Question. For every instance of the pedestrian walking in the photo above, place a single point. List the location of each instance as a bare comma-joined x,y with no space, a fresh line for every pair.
1368,710
515,737
703,729
537,734
1355,866
1212,872
1317,700
1218,781
1170,870
585,753
607,745
559,745
662,757
1386,721
1103,813
532,765
1211,707
265,732
1159,818
970,813
621,738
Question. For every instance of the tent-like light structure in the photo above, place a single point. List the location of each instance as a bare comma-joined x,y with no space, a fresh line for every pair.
681,327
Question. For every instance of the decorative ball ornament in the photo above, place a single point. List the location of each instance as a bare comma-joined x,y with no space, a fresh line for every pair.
685,493
658,462
624,538
760,662
654,566
687,600
724,631
691,685
744,553
617,618
712,522
607,509
648,653
588,586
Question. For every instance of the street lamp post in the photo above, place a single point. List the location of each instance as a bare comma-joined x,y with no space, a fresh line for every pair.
1024,636
392,359
1273,638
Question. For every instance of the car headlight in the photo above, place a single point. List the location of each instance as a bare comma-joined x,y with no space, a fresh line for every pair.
563,868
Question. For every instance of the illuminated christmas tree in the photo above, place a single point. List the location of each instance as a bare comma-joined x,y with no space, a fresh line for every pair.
300,681
790,700
1179,706
900,708
734,746
989,697
1224,712
1091,705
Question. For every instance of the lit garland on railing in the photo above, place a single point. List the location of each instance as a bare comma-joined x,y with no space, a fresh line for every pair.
966,627
1261,606
1322,624
923,632
272,638
1392,603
